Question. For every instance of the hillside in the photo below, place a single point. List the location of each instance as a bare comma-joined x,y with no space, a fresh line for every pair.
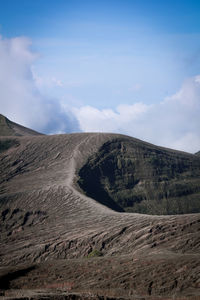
129,175
58,240
9,128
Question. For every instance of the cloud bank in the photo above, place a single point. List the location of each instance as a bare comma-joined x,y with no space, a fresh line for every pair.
20,98
173,123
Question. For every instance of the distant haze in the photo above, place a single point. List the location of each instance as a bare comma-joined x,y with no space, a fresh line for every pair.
131,67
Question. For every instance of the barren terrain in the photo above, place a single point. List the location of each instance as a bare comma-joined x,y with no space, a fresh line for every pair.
59,243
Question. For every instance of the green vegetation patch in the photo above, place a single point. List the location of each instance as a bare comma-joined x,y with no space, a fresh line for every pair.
95,253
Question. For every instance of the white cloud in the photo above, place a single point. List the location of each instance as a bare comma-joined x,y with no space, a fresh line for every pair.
57,82
93,119
20,98
47,84
189,142
173,123
41,82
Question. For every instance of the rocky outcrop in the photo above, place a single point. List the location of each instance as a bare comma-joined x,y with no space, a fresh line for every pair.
133,176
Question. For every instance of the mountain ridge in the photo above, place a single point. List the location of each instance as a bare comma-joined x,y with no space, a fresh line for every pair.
130,171
49,226
9,128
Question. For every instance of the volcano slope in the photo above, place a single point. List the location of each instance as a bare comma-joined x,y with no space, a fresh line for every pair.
58,240
9,128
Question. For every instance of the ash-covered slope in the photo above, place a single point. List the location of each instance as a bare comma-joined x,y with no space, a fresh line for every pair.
9,128
39,194
45,217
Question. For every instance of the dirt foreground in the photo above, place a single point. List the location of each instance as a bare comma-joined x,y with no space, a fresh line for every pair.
57,243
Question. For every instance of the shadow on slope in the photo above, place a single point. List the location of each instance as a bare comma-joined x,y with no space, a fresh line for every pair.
6,279
133,176
5,144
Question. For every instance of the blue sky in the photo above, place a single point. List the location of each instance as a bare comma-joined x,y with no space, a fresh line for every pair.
87,65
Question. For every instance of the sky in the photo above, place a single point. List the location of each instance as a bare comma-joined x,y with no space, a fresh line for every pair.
122,66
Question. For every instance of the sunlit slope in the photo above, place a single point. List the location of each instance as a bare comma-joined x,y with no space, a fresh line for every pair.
9,128
45,215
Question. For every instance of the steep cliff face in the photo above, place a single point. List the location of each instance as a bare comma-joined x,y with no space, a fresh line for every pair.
133,176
